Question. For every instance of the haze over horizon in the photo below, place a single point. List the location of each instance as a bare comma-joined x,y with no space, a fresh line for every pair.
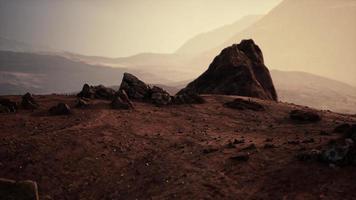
118,28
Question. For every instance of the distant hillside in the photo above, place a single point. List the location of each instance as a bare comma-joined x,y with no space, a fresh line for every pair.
13,45
211,39
22,72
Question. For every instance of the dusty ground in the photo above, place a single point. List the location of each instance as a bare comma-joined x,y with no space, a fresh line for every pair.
176,152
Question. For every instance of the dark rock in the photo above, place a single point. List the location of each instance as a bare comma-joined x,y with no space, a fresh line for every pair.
236,141
4,109
81,103
99,92
342,128
269,146
313,154
28,102
294,142
188,98
242,104
311,140
135,88
250,147
241,156
351,132
121,101
22,190
60,109
159,96
338,152
10,105
209,150
238,70
304,116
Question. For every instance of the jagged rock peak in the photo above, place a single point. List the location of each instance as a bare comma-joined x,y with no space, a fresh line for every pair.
237,70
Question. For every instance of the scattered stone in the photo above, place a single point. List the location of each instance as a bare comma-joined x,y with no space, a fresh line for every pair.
28,102
188,98
135,88
269,140
241,156
81,103
336,153
21,190
351,132
242,104
10,105
159,96
237,70
60,109
304,116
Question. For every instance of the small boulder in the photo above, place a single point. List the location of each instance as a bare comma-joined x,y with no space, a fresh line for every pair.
242,104
304,116
10,105
28,102
134,87
87,92
159,96
21,190
188,98
60,109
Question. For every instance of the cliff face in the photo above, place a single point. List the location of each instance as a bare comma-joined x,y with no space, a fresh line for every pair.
237,70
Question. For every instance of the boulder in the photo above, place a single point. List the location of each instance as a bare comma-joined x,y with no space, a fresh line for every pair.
4,109
159,96
28,102
188,98
121,101
135,88
304,116
18,190
242,104
10,105
98,92
237,70
60,109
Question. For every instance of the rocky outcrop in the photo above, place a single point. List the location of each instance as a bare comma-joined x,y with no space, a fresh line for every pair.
159,97
81,103
134,87
98,92
60,109
237,70
121,101
28,102
16,190
7,105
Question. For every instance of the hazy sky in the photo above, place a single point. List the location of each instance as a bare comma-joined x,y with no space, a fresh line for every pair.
119,27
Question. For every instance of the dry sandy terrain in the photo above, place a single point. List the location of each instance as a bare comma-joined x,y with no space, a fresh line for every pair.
175,152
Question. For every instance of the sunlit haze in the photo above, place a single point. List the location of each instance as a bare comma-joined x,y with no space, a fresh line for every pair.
119,27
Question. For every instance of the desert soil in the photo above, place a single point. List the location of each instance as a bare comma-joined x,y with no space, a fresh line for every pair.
173,152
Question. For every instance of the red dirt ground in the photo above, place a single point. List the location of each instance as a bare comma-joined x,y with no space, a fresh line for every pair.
175,152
